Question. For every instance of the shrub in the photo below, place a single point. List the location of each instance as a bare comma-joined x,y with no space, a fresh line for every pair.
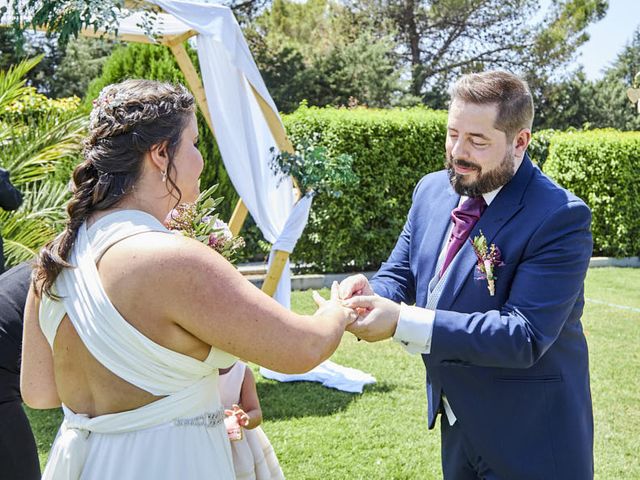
32,106
601,167
392,150
539,147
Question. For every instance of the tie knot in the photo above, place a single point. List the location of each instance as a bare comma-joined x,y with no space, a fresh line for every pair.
466,215
473,205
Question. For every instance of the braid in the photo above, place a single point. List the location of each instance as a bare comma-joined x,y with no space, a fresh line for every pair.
127,120
53,257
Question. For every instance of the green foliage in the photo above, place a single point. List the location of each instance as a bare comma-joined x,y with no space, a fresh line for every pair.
38,148
314,170
200,221
32,106
392,150
66,18
538,149
580,103
62,72
156,62
601,167
319,52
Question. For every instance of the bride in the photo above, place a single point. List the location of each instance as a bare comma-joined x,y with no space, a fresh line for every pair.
127,324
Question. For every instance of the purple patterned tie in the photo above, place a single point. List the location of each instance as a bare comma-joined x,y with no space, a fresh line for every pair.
464,218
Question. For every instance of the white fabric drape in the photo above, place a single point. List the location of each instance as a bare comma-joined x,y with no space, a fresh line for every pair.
229,73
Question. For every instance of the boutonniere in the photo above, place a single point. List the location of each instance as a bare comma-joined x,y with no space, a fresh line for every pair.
488,259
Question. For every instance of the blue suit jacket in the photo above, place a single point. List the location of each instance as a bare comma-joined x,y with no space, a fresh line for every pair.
514,366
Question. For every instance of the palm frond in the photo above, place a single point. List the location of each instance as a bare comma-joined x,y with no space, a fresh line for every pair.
34,153
37,221
13,80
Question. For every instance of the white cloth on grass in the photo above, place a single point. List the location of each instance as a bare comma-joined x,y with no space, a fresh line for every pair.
328,373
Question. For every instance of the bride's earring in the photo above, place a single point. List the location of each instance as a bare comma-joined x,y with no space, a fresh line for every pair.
164,176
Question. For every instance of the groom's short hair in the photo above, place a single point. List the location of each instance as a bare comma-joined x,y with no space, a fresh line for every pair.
509,92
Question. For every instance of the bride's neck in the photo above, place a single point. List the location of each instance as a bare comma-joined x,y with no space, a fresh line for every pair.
152,202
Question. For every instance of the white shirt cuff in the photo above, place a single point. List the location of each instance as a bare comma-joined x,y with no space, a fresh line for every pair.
415,328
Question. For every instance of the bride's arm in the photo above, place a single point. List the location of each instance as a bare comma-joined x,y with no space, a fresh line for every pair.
37,382
209,298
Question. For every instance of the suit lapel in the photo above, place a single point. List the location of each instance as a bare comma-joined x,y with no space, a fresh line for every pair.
507,203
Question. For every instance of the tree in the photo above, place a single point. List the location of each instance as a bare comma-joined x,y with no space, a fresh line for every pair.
66,18
612,107
580,103
317,51
565,104
62,72
440,39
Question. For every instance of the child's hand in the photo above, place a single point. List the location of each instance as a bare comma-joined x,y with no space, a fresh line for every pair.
241,416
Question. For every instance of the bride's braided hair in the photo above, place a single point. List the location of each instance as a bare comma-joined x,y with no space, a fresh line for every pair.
127,120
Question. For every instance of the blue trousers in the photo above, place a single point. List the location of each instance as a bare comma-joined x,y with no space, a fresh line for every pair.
460,461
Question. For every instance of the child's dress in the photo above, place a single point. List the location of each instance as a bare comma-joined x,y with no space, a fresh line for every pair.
253,455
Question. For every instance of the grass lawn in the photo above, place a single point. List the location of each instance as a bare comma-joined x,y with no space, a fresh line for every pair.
320,433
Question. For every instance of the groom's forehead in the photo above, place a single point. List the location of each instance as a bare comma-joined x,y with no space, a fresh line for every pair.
465,117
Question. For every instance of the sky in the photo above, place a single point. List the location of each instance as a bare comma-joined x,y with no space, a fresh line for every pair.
609,36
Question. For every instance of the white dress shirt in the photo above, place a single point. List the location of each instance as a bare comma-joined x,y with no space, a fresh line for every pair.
415,325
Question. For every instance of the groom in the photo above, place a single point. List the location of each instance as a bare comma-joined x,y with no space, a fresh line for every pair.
498,328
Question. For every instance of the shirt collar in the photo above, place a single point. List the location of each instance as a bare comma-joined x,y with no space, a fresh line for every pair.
488,197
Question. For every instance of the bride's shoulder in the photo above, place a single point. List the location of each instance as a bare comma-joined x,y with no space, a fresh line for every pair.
160,252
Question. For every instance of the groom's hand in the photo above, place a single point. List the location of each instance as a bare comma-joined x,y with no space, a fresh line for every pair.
353,286
380,320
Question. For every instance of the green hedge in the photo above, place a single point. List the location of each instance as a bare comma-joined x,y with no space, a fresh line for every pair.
601,167
392,150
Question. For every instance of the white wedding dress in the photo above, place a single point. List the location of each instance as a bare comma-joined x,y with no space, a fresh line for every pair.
180,436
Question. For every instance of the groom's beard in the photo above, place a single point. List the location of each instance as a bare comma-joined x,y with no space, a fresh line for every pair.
484,182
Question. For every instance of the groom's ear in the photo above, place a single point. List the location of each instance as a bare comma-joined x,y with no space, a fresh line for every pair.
521,142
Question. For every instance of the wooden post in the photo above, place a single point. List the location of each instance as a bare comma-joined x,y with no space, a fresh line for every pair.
275,272
193,80
275,126
238,217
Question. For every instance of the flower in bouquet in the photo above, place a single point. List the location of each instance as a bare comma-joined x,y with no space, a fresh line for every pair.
222,232
199,221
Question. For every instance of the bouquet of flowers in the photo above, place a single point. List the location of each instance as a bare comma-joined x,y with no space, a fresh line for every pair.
200,221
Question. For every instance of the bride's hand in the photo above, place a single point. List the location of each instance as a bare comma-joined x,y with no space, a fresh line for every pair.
334,307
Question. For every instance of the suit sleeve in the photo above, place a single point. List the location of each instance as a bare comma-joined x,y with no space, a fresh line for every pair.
10,196
546,286
395,280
